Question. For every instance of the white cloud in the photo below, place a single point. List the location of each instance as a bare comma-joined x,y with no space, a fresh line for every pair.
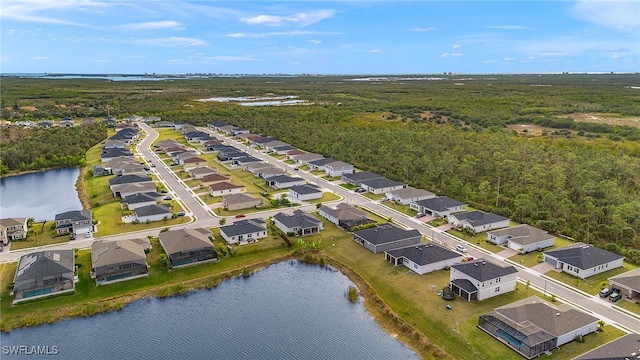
232,58
40,58
508,27
375,51
173,41
27,10
302,19
616,56
421,29
11,31
173,61
315,41
510,59
622,15
282,33
152,25
456,46
451,54
553,53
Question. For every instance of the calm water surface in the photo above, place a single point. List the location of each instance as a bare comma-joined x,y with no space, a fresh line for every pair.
39,195
286,311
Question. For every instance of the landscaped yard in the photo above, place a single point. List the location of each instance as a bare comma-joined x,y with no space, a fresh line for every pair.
592,284
39,234
479,240
634,307
208,199
373,196
326,197
401,208
348,186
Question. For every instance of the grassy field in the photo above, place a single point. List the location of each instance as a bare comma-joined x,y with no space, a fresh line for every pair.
326,197
39,234
592,284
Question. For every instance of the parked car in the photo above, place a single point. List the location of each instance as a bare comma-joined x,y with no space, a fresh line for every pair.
167,197
360,190
615,297
419,215
164,191
181,213
240,215
88,234
461,248
605,292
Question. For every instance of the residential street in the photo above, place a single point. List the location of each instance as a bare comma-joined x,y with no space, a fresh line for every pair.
205,218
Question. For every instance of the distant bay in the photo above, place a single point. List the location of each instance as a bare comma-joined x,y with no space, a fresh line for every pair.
289,310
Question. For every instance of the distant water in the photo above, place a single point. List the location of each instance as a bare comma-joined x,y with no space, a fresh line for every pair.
40,195
287,311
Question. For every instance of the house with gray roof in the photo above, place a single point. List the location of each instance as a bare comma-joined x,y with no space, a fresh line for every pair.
241,201
357,178
225,188
108,154
125,190
523,238
628,283
113,261
187,246
202,171
423,258
319,165
114,144
269,172
406,196
129,179
12,229
480,279
533,326
255,166
282,150
244,231
305,192
626,347
284,181
132,202
44,273
269,146
245,160
387,237
478,221
299,223
381,185
344,215
74,222
306,158
153,212
193,162
440,206
338,168
229,153
582,260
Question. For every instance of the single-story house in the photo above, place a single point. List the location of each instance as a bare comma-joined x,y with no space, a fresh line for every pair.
108,154
99,170
478,221
67,122
628,283
284,181
282,150
214,179
381,185
622,348
338,168
184,155
74,222
194,162
13,229
129,179
230,154
245,160
480,279
440,206
299,223
153,212
423,258
357,178
306,158
225,188
200,172
269,146
135,201
187,246
344,215
125,190
167,124
241,201
271,171
582,260
387,237
305,192
254,167
127,168
294,152
114,144
533,326
319,164
408,195
44,273
113,261
523,238
244,231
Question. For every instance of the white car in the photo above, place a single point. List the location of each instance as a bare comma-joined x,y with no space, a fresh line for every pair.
88,234
461,248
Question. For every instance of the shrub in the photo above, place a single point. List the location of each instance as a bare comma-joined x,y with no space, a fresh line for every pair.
353,294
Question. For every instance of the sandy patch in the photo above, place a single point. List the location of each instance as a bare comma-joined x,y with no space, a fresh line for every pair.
533,130
606,119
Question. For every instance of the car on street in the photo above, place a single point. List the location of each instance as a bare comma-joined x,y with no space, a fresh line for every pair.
240,215
461,248
605,292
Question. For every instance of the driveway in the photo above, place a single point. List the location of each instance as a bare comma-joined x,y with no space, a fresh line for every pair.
507,253
543,267
445,227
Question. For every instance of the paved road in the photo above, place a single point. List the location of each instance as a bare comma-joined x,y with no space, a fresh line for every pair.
204,218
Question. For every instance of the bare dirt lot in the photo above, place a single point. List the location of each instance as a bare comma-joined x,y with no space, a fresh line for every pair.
606,119
532,130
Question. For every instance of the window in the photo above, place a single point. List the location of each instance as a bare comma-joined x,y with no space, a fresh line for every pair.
497,280
497,289
415,266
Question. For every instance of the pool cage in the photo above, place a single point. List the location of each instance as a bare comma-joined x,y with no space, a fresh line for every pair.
527,339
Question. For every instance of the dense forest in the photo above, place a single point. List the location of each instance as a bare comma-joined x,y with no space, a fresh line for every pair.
37,149
578,179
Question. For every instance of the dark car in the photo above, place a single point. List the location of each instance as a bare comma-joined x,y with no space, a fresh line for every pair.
181,213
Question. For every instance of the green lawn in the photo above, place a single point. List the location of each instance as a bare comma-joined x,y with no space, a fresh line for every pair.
531,259
208,199
111,223
479,240
634,307
592,284
39,234
326,197
373,196
348,186
279,157
166,134
401,208
317,172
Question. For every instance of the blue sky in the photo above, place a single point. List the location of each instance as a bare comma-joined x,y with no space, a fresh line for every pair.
330,37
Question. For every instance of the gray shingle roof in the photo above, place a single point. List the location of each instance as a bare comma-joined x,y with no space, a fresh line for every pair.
153,209
128,179
74,215
478,218
629,278
284,179
425,254
381,183
361,176
106,253
344,211
622,348
184,240
299,219
238,198
482,270
386,233
42,264
440,203
321,162
583,256
141,197
242,227
409,192
305,189
522,234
